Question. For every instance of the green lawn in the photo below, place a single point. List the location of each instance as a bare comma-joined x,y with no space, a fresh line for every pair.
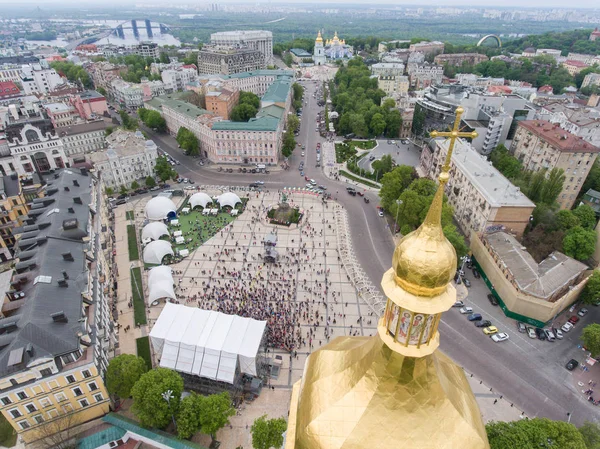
199,228
139,306
347,149
143,350
132,243
129,215
8,436
363,144
362,181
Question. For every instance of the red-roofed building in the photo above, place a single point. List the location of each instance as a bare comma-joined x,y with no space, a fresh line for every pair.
574,67
189,66
541,145
546,89
499,90
595,35
8,89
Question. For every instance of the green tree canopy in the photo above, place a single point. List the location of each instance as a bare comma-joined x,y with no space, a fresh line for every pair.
505,162
534,434
148,402
268,433
188,141
129,123
566,220
163,169
243,112
579,243
152,119
591,338
591,435
586,216
394,183
382,166
215,412
150,182
74,73
122,373
591,292
135,185
249,98
188,418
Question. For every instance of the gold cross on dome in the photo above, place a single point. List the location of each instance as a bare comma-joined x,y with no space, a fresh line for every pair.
453,135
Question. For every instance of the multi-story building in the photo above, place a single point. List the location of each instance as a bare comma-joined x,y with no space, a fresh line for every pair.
61,113
391,84
83,137
526,290
9,90
434,47
32,143
127,94
592,199
255,39
587,59
574,67
10,72
129,157
221,102
541,145
407,122
151,89
301,56
388,68
577,119
147,50
472,80
595,34
591,79
176,80
39,78
481,196
57,330
229,60
458,59
103,73
425,75
13,209
89,104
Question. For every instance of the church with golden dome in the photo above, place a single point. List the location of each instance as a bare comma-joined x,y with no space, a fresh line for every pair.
394,389
332,49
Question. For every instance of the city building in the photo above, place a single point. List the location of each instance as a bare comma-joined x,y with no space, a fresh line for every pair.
128,95
541,145
89,104
527,291
221,102
151,89
337,48
104,72
10,72
407,122
61,113
255,39
591,79
574,67
229,60
39,78
129,157
578,119
391,84
32,143
425,75
383,47
458,59
472,80
556,54
83,137
585,58
58,333
147,50
319,51
592,199
427,48
300,56
176,80
13,209
388,68
481,196
8,90
595,34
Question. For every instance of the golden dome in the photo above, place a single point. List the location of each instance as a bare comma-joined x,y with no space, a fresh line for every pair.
319,38
425,261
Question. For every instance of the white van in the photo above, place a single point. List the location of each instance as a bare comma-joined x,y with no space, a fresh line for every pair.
261,166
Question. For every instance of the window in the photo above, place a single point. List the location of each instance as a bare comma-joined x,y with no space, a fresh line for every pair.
53,384
22,395
98,397
15,413
53,413
38,419
84,403
46,372
86,374
92,386
77,391
5,400
24,425
45,402
60,397
67,408
71,379
31,408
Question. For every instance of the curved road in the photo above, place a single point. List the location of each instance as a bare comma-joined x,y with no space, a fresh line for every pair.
535,388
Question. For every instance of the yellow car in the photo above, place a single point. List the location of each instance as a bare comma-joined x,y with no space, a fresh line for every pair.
490,330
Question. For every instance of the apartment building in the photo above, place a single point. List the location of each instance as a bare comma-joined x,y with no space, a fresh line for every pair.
151,89
425,75
127,94
540,145
61,113
10,72
103,73
591,79
13,209
229,60
578,119
255,39
434,47
221,102
147,50
388,68
481,196
458,59
391,84
89,104
574,67
9,90
176,80
129,157
57,330
39,79
83,137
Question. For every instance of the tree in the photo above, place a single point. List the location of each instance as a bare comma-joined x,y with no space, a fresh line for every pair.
383,165
58,433
394,183
579,243
504,162
188,421
288,59
123,190
533,434
591,338
163,169
552,186
148,402
393,123
586,216
128,123
122,373
150,182
591,292
377,124
101,90
566,220
155,121
135,185
109,191
591,435
188,141
249,98
164,58
109,130
214,413
243,112
457,240
293,122
268,433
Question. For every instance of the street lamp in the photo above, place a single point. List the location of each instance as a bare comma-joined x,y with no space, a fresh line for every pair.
167,396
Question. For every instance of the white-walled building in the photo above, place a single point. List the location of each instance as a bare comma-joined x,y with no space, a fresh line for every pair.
256,39
39,78
388,68
128,94
176,80
83,138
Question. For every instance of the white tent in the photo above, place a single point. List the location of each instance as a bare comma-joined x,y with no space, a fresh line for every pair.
179,240
156,250
228,199
200,199
154,230
160,290
159,208
160,273
206,343
177,233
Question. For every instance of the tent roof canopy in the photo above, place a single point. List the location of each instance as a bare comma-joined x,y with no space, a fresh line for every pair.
156,250
154,230
200,199
228,199
159,208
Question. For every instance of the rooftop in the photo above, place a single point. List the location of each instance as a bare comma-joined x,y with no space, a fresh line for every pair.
175,101
277,92
300,52
493,186
576,63
57,108
541,280
90,95
557,137
80,128
10,186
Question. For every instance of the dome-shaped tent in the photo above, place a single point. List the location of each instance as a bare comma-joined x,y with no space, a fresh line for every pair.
160,208
200,199
160,284
228,199
156,250
154,230
160,273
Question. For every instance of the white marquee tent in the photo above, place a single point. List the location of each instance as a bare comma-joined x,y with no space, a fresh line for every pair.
206,343
160,273
159,208
156,250
228,199
154,230
200,199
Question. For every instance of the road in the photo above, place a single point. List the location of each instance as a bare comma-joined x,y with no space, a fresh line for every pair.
529,373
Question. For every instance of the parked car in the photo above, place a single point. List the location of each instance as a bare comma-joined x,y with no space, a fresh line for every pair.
154,189
521,327
366,199
476,274
558,334
582,312
467,282
466,310
502,336
566,327
484,323
573,320
490,330
492,299
531,332
322,187
458,304
122,196
359,193
572,364
475,317
371,158
121,201
549,335
540,333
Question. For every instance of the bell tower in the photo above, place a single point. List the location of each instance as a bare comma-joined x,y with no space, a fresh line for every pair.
319,51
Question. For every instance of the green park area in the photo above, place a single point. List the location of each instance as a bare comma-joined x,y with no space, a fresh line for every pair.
139,307
129,215
8,436
143,350
197,228
347,149
132,243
